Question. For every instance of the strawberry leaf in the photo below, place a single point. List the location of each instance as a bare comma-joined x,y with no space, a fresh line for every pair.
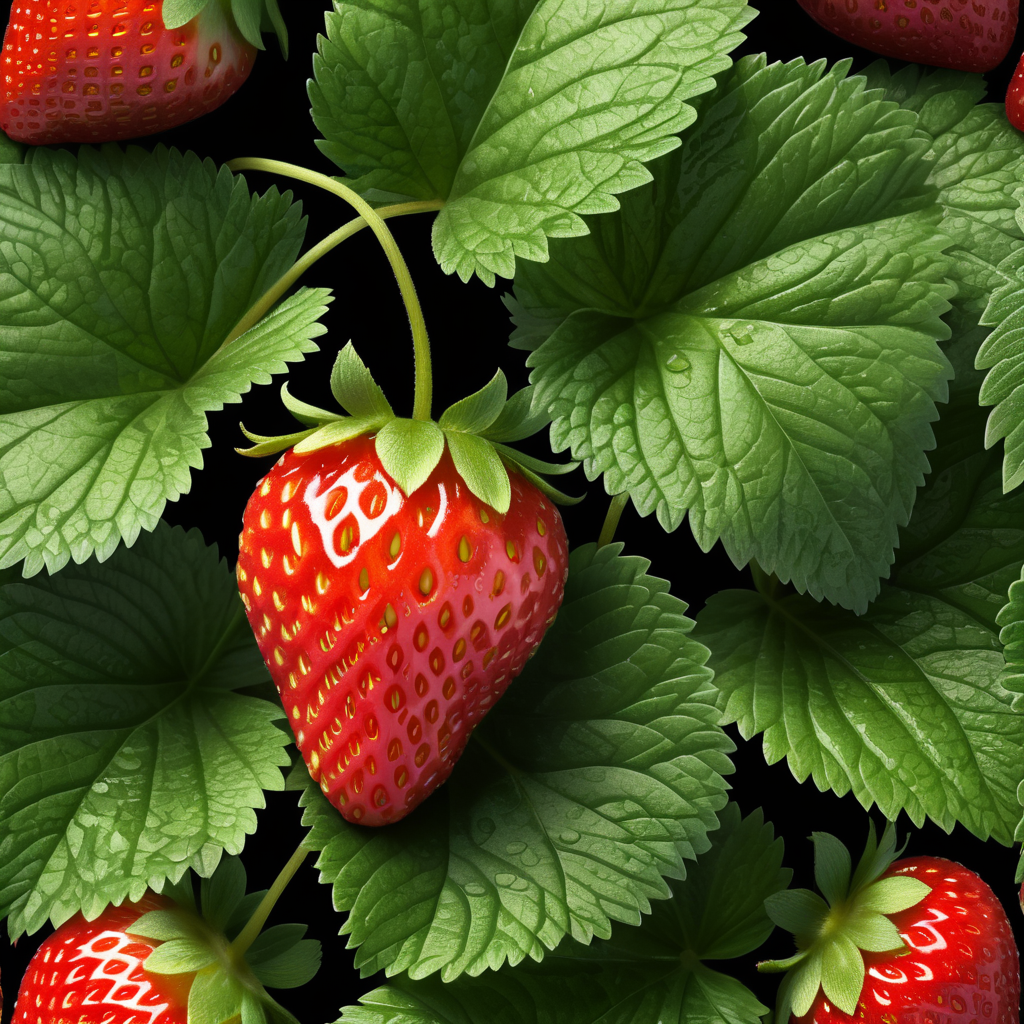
842,973
118,721
93,444
752,341
909,695
180,956
832,867
595,777
479,411
1011,636
651,973
555,113
517,419
176,13
478,464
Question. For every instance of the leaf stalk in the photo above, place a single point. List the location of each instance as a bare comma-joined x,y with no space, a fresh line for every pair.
611,520
247,936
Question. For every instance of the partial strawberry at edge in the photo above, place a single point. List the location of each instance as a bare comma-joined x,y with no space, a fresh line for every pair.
1015,97
392,624
93,971
965,35
108,70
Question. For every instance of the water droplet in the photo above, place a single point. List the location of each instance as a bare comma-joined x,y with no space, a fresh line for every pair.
677,363
504,879
485,826
529,858
475,889
514,849
569,836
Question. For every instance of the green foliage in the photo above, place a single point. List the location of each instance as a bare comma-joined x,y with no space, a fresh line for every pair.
598,773
556,112
640,975
752,340
126,757
123,272
903,706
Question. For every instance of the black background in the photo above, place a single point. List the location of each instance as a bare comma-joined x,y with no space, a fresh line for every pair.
469,330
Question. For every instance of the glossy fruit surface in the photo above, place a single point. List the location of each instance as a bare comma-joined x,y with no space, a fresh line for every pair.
966,35
962,966
1015,97
91,972
106,70
392,624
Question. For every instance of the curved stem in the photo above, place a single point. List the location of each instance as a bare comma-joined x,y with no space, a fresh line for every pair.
255,924
420,342
266,301
611,520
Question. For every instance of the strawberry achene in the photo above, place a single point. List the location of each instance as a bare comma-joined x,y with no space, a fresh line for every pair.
391,624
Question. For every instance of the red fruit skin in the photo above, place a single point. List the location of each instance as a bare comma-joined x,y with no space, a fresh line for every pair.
90,972
1015,97
966,35
962,968
107,70
387,653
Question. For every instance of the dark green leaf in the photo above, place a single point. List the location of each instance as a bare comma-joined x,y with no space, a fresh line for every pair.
832,867
142,264
118,722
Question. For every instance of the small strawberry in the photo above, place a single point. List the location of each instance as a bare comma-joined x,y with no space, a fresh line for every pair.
961,34
142,963
105,70
397,575
916,941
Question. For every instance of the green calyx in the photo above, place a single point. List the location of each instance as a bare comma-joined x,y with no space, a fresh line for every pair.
833,932
253,18
230,982
476,431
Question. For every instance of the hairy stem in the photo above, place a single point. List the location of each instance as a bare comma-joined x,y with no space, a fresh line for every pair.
611,520
420,341
255,924
266,301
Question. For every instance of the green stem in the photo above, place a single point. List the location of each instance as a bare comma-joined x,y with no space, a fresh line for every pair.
767,583
247,936
420,342
611,520
267,300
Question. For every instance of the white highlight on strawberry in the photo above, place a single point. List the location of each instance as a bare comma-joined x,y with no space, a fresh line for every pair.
317,505
107,957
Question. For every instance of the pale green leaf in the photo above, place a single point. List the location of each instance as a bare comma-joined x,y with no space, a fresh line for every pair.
893,894
520,116
479,411
517,419
594,778
353,386
874,933
126,755
842,973
135,268
1011,636
180,956
477,462
752,341
336,432
832,867
409,450
799,911
176,13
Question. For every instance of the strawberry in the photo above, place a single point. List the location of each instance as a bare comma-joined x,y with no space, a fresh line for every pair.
95,971
392,622
1015,97
916,941
145,962
105,70
961,34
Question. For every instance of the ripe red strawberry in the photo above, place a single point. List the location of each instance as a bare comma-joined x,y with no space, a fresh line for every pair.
104,70
391,624
916,941
962,34
93,971
1015,97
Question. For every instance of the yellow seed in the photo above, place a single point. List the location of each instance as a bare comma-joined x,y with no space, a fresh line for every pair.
345,541
242,575
265,519
465,551
510,550
322,583
390,617
364,580
484,517
459,650
426,582
295,712
286,564
503,616
296,539
257,588
304,665
292,681
539,561
307,604
279,655
265,489
540,527
288,491
396,546
286,519
314,761
279,601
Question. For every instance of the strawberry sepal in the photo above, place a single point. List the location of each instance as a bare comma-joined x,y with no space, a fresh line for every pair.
834,930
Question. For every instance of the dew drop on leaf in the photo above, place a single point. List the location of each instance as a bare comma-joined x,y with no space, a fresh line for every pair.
514,849
475,889
676,362
569,836
505,879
